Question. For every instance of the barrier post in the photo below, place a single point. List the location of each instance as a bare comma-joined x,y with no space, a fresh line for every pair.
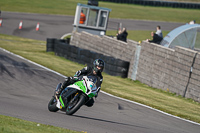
136,62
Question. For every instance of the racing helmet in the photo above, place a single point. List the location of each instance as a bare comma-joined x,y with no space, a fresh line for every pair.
100,63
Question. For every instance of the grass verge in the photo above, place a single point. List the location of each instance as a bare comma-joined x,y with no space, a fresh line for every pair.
133,90
15,125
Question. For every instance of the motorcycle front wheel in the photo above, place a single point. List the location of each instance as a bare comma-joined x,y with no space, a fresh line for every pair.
52,105
74,104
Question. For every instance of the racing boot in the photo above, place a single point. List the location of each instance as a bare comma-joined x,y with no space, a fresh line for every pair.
58,105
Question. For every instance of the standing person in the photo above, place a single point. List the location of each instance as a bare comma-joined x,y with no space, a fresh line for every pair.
82,18
156,39
122,35
159,31
96,70
192,22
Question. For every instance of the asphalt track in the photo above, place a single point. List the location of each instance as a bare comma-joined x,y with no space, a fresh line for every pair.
26,89
54,26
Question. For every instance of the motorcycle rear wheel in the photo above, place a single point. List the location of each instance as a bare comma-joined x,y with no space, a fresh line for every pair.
52,105
75,104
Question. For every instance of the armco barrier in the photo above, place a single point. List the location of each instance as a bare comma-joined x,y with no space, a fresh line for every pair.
114,67
50,44
165,3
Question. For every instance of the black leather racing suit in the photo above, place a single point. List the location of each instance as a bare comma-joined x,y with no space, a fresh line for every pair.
86,71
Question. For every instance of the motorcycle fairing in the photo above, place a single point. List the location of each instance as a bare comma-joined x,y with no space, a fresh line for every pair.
65,94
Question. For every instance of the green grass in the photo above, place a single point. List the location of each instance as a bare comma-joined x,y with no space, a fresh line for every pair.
15,125
167,14
126,11
133,90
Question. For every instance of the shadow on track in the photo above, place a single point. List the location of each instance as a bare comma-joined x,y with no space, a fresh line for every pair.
96,119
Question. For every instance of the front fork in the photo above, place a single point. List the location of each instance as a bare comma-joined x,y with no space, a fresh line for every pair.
58,105
75,96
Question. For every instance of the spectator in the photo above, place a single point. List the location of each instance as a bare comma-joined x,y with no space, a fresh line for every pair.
82,18
192,22
122,35
159,31
156,39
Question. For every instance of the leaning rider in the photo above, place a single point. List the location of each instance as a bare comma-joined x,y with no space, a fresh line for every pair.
96,70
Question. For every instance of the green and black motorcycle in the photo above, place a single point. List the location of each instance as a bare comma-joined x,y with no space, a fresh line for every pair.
74,96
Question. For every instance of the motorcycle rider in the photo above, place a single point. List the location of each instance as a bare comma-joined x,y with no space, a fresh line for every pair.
96,70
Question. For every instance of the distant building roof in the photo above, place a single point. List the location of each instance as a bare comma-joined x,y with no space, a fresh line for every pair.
185,36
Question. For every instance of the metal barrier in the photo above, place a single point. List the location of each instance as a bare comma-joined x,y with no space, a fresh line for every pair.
114,67
173,4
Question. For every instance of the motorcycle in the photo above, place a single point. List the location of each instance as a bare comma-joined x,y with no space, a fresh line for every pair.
74,95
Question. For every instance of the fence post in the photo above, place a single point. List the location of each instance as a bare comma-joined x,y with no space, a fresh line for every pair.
119,27
136,62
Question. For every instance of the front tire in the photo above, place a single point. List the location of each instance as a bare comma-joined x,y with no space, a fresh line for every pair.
75,104
52,105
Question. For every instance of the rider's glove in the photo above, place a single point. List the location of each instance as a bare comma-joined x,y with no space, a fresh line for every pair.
75,77
59,90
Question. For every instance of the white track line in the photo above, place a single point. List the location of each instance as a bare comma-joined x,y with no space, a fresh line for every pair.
103,91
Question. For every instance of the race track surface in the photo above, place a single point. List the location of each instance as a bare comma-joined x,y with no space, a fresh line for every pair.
27,88
55,26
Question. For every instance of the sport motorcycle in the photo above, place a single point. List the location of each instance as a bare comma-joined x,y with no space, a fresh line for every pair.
74,96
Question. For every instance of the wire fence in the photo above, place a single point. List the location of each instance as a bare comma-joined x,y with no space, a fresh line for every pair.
113,26
165,3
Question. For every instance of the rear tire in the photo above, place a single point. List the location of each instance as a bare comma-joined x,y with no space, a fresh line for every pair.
52,105
74,105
